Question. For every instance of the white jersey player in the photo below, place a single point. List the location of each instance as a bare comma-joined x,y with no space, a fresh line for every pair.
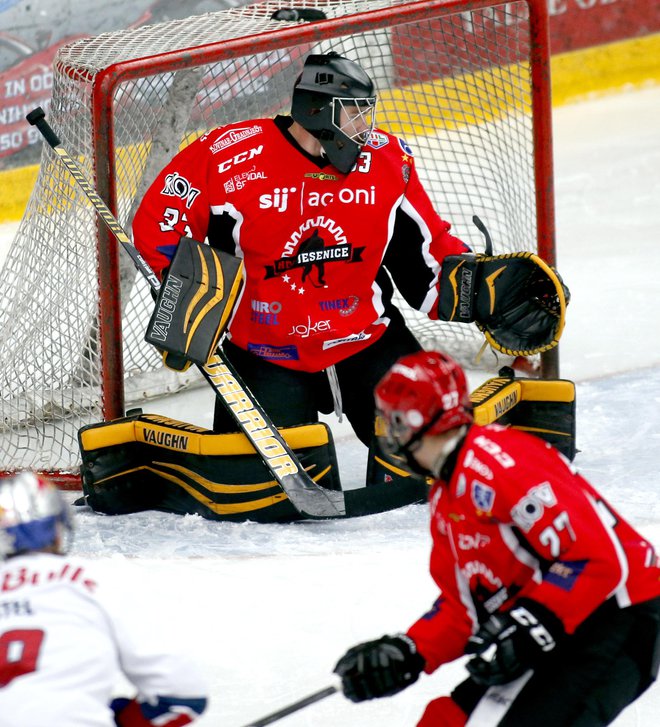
65,636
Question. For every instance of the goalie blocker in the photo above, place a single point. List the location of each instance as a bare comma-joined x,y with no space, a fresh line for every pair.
150,462
194,303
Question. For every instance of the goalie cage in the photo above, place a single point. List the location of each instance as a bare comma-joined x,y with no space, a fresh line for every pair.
464,82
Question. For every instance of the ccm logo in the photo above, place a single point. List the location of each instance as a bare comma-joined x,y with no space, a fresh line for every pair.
243,156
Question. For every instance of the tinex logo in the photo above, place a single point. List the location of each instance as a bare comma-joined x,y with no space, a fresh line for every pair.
345,306
234,136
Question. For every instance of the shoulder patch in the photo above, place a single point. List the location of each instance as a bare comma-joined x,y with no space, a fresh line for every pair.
405,148
483,496
377,140
564,573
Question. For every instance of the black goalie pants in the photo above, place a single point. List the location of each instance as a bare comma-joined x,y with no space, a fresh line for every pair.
296,397
610,661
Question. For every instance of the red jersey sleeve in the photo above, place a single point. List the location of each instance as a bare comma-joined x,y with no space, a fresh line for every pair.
175,205
442,632
420,241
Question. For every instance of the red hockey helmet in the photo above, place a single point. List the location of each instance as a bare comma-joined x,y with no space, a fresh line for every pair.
423,393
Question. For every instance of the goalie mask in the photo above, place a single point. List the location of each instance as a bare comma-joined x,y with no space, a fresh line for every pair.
334,100
33,515
423,393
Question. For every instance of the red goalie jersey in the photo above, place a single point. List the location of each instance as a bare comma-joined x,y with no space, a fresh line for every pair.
315,242
501,532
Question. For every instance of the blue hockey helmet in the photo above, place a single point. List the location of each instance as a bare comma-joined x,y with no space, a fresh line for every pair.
33,515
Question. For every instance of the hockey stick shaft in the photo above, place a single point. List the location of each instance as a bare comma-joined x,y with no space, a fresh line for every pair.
305,495
295,706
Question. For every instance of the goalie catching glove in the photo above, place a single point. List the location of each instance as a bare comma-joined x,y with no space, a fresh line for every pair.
517,299
194,303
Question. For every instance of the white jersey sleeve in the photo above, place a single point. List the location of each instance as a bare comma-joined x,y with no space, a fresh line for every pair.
66,634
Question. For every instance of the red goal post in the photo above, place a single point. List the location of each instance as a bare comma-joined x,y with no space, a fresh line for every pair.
464,82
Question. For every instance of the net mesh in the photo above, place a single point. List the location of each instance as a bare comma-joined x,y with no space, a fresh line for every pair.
455,85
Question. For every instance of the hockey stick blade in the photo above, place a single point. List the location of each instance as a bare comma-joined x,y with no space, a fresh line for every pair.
309,498
484,231
295,706
383,497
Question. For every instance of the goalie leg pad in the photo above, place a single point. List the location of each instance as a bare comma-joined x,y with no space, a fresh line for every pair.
544,407
194,302
150,462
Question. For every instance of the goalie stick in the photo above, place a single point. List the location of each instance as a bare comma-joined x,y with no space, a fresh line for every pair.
309,498
295,706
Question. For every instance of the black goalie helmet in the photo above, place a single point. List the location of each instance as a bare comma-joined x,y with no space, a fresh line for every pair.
334,100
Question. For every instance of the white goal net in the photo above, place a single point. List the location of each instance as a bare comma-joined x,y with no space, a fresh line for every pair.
465,84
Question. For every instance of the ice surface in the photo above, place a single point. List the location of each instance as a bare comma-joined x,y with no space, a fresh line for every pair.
267,610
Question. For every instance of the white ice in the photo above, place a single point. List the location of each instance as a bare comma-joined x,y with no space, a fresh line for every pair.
267,610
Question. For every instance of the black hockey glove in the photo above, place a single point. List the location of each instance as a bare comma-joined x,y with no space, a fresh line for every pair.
379,668
517,299
521,636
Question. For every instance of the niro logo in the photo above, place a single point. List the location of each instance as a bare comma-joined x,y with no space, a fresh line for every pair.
265,313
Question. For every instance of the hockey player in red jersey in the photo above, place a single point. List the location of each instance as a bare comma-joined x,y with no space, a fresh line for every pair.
66,633
325,211
554,596
318,213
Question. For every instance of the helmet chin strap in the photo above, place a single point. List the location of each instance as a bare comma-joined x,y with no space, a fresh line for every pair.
448,446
